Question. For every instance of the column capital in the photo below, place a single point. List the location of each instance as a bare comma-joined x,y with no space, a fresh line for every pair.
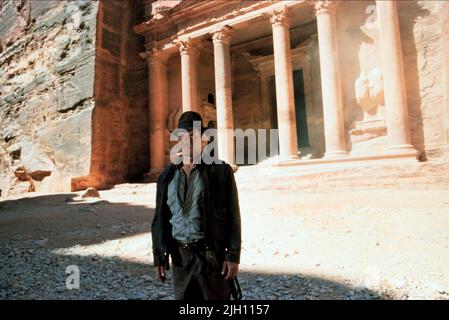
223,35
189,46
156,56
281,17
325,6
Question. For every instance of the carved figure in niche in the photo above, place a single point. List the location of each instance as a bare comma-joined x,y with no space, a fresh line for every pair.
173,118
209,114
369,92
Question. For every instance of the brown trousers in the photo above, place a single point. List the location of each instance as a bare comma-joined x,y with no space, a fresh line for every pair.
197,279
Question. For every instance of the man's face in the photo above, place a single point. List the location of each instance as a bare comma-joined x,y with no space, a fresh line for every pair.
192,140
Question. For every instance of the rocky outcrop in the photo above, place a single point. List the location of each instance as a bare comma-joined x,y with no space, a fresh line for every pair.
91,193
47,60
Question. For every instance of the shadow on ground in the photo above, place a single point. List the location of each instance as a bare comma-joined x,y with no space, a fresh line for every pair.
63,221
41,274
32,228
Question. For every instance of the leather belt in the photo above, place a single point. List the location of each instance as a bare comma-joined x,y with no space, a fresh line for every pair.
195,246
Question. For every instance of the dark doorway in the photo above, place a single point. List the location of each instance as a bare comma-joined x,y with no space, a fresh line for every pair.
302,131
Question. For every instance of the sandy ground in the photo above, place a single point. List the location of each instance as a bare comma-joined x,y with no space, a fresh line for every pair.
341,245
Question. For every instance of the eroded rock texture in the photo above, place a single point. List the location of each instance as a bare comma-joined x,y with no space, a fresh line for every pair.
73,95
47,63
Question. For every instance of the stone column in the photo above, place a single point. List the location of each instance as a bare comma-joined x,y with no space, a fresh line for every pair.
223,92
288,141
157,67
394,82
334,128
189,64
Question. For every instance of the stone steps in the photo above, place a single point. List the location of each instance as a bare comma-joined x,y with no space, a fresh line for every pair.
403,176
418,176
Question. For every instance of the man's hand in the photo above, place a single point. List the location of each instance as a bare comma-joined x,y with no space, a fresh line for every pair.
160,273
229,270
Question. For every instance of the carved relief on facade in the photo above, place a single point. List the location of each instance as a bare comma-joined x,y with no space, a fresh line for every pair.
172,123
369,93
161,8
172,119
208,114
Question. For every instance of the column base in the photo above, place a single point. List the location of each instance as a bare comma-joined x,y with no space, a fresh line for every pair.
406,150
284,160
335,154
289,157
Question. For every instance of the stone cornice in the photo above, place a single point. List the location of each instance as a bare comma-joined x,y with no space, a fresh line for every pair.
233,19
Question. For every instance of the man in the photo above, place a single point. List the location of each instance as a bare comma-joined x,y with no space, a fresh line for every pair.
197,223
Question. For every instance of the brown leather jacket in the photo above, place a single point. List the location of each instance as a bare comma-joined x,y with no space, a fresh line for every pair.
220,211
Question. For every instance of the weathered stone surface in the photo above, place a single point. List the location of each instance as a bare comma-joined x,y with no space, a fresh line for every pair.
35,160
47,65
423,36
120,119
24,176
69,140
21,174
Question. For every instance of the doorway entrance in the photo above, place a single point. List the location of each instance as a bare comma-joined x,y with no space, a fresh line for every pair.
302,131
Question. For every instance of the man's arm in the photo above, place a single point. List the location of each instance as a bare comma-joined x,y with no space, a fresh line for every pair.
157,228
157,233
233,211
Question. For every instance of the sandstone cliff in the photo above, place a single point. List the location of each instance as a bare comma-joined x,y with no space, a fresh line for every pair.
47,60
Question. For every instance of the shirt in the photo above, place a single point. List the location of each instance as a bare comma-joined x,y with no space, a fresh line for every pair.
184,196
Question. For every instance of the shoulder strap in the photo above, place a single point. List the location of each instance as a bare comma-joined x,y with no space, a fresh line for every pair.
236,291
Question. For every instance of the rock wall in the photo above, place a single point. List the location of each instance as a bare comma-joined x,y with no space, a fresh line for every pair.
445,23
423,38
73,95
47,59
120,138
